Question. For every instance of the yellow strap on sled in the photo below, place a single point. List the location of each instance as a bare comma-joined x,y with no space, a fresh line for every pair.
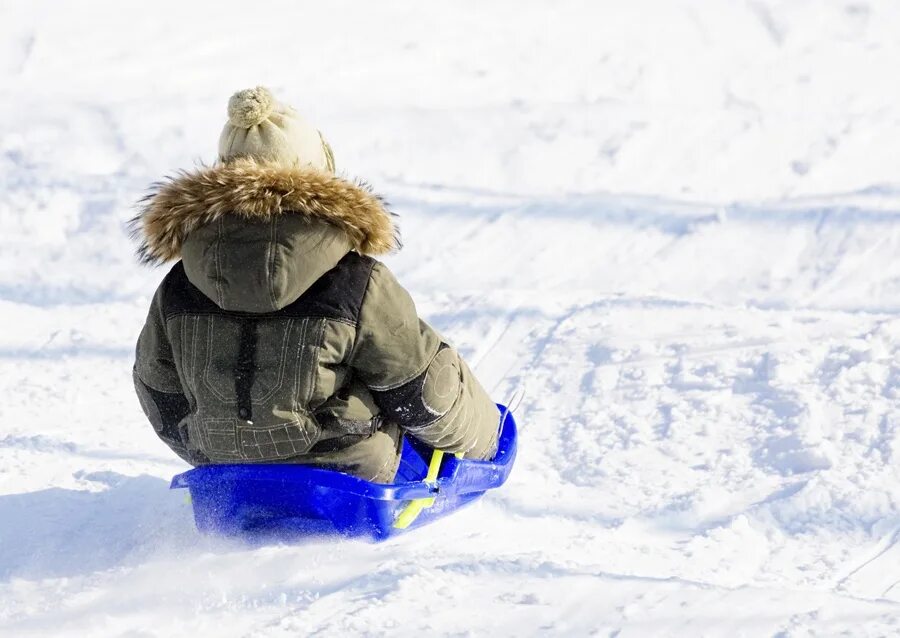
412,510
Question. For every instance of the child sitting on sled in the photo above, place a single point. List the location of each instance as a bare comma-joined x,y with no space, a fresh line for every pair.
277,336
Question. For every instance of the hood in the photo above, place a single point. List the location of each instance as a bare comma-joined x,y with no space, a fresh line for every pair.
253,237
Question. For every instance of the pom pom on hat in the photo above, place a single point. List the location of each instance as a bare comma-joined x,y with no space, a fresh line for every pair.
250,107
261,127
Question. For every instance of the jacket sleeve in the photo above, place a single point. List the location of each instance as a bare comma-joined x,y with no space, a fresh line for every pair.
418,381
156,381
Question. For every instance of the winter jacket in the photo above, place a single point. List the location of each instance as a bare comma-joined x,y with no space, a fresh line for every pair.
277,337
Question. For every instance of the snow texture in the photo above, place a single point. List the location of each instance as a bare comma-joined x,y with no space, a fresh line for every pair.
674,222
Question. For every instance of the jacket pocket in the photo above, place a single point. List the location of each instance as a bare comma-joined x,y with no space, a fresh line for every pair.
222,344
279,441
233,440
216,438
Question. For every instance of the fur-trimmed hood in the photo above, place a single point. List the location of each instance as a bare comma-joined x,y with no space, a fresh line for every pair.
258,192
254,237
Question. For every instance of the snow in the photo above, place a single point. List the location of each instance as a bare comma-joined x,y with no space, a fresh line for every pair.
674,223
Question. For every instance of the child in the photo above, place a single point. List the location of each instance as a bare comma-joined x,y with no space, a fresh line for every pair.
278,337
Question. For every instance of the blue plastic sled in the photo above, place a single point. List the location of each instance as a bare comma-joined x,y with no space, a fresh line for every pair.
288,502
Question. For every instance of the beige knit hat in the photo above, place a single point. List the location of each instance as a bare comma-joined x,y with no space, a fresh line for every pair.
261,127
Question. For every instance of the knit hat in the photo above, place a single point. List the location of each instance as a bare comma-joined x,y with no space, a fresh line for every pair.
261,127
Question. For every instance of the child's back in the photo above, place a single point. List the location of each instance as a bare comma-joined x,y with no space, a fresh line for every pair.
278,337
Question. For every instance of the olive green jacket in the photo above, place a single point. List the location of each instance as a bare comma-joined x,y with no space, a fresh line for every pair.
277,337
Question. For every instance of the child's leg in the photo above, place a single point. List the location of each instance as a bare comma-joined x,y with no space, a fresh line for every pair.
373,459
471,425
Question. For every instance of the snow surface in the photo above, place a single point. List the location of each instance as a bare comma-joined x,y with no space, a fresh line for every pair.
674,222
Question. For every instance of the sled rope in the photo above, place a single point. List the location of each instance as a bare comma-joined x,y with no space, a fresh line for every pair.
515,400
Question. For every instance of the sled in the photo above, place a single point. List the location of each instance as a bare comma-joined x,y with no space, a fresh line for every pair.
285,502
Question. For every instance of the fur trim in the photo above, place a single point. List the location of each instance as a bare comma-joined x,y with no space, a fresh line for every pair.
258,191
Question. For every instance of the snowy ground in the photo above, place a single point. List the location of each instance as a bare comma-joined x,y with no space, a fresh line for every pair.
675,223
